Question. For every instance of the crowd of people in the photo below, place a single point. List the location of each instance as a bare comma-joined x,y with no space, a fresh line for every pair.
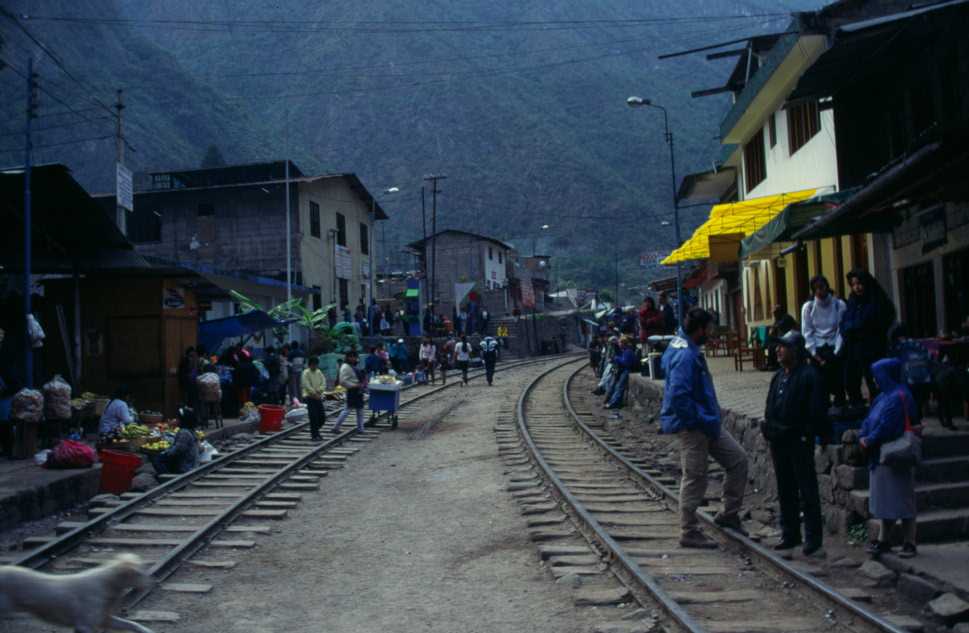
821,367
613,354
847,361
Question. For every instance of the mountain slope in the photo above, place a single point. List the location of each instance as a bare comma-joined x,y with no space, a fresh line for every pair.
524,112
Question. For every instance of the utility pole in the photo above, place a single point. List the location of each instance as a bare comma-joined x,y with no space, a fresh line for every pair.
28,217
427,288
289,230
617,280
434,192
119,212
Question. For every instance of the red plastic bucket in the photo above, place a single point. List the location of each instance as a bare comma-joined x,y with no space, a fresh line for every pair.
117,471
271,418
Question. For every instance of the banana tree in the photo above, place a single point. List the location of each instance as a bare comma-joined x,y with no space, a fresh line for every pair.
340,337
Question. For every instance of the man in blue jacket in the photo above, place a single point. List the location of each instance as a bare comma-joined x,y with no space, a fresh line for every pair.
625,362
690,409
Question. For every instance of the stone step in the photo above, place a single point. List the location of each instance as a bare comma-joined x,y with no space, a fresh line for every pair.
944,469
945,444
937,525
944,495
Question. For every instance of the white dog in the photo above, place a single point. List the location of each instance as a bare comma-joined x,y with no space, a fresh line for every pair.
85,601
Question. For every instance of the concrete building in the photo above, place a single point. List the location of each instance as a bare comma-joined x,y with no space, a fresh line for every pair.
234,219
778,153
465,258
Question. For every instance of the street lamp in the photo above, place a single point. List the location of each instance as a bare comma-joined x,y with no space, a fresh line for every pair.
373,230
639,102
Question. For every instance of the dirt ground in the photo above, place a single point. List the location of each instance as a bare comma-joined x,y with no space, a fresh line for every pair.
413,535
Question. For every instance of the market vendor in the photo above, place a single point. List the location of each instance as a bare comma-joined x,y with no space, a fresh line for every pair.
117,413
183,455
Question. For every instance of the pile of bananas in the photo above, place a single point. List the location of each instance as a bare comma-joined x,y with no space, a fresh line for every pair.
157,446
200,435
132,431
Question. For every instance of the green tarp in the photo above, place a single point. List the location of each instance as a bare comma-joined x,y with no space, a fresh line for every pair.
793,218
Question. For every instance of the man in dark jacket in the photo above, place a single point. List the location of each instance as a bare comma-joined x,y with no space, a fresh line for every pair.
690,409
796,413
669,315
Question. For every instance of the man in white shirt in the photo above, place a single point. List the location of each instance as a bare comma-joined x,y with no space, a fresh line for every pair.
462,356
820,325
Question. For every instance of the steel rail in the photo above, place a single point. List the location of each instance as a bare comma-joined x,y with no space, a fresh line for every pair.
819,587
672,608
200,539
47,553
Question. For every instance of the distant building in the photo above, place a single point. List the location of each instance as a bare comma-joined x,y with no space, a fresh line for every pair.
465,258
234,218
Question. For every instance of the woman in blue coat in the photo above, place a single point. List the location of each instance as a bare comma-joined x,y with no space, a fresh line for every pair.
892,489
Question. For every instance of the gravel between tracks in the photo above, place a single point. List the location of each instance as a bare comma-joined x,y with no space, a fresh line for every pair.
413,535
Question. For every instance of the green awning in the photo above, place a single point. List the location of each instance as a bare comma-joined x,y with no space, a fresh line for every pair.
412,293
768,241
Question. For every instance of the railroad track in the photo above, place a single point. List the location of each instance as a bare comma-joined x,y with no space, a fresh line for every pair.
630,517
220,506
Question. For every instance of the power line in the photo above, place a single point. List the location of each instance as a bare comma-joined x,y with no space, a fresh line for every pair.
72,142
395,26
58,126
57,61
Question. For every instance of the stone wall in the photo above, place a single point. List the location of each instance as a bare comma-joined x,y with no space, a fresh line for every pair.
837,480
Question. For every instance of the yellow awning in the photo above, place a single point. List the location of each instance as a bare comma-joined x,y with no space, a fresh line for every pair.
719,237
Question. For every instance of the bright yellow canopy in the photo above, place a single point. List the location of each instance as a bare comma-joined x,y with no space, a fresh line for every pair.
719,237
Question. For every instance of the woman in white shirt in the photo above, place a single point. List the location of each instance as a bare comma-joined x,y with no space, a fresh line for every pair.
462,356
428,356
820,326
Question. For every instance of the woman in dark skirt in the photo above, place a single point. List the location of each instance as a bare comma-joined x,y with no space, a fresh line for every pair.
892,488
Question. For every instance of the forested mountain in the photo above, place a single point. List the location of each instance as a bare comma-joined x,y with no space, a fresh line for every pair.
521,105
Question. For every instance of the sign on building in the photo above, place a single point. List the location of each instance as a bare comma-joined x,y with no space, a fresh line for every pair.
528,294
344,262
652,258
124,191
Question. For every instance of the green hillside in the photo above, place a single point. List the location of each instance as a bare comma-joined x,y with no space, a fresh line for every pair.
522,106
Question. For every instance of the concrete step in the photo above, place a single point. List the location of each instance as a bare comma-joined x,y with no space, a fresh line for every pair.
927,496
937,525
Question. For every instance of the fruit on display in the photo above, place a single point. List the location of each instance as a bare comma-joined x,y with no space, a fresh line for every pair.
131,431
156,446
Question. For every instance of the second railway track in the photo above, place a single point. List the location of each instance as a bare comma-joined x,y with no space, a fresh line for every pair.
221,506
631,518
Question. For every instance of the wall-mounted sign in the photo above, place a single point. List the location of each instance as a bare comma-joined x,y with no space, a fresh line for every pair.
125,192
933,229
528,294
343,260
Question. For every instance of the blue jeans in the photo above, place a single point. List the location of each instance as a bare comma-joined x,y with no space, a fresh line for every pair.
343,416
618,389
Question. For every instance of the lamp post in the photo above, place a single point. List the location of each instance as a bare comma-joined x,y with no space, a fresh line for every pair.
372,239
639,102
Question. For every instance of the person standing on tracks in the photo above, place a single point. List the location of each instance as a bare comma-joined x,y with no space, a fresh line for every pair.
446,358
351,379
297,363
690,409
489,354
796,412
462,356
312,385
428,356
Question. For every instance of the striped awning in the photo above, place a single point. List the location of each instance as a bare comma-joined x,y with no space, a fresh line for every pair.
719,237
